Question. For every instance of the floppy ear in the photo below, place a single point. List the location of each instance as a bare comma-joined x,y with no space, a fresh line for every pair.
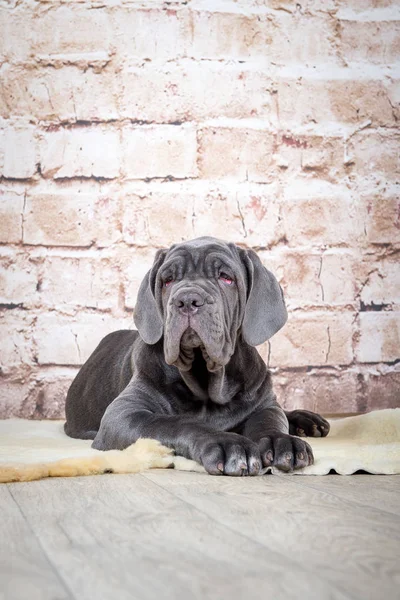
265,310
147,317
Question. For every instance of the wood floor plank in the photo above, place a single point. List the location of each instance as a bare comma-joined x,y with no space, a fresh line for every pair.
377,491
125,536
355,548
25,571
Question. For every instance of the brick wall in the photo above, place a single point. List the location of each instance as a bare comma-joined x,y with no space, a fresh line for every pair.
127,126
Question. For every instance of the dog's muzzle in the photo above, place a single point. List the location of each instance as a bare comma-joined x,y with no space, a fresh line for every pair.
188,302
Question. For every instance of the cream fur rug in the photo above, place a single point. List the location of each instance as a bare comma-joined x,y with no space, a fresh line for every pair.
36,449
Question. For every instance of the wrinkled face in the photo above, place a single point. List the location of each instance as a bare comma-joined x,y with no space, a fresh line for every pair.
201,291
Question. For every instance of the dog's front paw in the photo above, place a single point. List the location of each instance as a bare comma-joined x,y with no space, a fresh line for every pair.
305,423
285,452
229,454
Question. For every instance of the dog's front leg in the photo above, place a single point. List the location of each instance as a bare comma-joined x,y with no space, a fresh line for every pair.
269,427
136,413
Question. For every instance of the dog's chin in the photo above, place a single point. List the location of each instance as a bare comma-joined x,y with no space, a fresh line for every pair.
180,352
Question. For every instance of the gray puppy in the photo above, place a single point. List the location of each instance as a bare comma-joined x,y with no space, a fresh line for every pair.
190,376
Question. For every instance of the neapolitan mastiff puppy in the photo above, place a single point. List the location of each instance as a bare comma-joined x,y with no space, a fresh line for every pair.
190,376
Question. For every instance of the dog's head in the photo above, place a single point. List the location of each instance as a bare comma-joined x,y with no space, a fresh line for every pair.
202,294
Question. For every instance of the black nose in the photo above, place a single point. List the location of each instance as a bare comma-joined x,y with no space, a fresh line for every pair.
188,302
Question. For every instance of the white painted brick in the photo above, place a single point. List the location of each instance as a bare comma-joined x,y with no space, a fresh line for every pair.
16,350
338,277
134,266
166,213
308,339
11,209
69,282
382,285
363,150
379,337
160,151
150,33
67,29
309,216
71,218
298,273
193,90
371,39
19,150
158,221
279,38
301,96
13,399
59,220
88,152
382,225
242,154
18,279
65,341
61,94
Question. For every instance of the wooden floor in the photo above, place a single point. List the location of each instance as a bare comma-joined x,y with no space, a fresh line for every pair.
175,535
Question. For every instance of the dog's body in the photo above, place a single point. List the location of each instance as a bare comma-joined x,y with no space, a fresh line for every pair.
191,377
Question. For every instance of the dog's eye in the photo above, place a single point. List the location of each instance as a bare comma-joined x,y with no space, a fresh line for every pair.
168,280
225,278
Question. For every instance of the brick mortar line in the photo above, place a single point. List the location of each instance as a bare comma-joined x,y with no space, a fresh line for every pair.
257,124
224,9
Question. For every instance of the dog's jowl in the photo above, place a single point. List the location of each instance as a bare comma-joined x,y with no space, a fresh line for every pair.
190,376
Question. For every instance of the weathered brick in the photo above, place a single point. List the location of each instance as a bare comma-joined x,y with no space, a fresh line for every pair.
161,151
59,220
14,398
375,153
134,266
152,34
314,278
246,215
18,279
183,91
19,149
62,30
168,213
70,282
279,38
379,337
71,218
261,155
375,39
68,341
16,350
310,212
380,387
87,152
312,339
304,96
47,399
338,277
326,391
382,283
243,154
11,209
155,219
382,224
298,273
50,94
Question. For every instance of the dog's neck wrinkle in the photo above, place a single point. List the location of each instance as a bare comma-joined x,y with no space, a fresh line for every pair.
196,378
205,385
